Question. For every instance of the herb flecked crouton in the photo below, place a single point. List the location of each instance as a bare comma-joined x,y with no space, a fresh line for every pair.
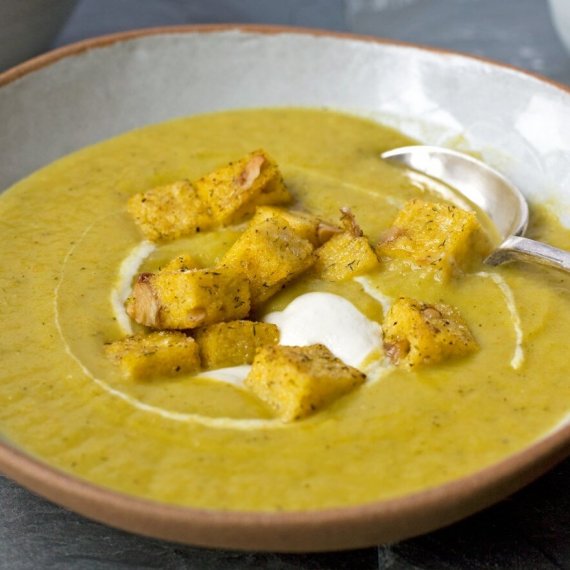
188,299
154,355
233,191
296,381
441,238
182,262
233,343
269,253
345,256
417,333
169,212
304,224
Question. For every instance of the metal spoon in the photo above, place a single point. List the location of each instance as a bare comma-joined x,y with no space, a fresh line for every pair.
490,191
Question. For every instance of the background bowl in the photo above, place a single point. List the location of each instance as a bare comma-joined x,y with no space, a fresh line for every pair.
560,11
28,27
84,93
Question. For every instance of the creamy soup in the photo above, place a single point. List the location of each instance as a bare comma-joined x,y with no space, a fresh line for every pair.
69,247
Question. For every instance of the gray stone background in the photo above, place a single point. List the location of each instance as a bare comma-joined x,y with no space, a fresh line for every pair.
530,530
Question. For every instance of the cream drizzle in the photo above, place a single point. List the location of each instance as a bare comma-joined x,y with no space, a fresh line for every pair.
127,271
420,181
518,355
372,291
348,185
377,369
234,375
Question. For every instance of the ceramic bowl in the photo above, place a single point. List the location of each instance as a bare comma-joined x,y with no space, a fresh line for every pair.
93,90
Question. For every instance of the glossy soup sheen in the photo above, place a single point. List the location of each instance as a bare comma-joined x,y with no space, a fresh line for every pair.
64,232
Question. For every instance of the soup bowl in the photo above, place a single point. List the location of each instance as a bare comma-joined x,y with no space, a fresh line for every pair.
93,90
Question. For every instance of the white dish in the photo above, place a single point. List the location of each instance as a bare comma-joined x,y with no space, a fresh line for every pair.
84,93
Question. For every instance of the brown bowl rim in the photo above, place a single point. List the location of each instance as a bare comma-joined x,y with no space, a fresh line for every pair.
289,531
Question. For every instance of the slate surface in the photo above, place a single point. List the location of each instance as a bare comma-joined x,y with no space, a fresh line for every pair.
531,530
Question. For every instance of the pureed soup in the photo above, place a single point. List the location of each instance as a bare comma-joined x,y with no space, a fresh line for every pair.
70,251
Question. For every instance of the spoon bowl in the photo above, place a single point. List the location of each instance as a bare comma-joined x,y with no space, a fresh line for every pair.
489,190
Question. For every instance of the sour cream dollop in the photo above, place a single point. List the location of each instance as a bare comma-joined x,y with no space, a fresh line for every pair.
331,320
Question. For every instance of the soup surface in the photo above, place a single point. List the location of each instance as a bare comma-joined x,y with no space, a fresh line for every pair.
197,441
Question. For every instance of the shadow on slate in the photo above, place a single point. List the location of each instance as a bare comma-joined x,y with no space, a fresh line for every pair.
530,530
36,534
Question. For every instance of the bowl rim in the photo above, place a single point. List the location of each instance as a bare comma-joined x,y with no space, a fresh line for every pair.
288,531
77,48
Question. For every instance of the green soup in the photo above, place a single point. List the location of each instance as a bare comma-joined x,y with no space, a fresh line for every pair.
198,442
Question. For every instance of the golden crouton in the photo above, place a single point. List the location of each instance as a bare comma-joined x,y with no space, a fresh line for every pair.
155,354
416,333
438,237
233,191
305,225
188,299
233,343
346,254
295,381
269,253
169,212
182,262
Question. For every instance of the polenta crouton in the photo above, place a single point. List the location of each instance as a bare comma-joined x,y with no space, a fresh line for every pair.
169,212
233,343
305,225
232,192
155,354
269,253
346,254
295,381
441,238
182,262
188,299
417,334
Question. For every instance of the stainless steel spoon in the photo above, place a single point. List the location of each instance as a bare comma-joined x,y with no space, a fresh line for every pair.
490,191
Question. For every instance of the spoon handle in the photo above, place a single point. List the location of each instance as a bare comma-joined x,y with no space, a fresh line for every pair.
516,248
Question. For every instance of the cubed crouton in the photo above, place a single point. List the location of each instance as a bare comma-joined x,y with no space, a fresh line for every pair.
439,238
296,381
345,256
232,192
182,262
169,212
304,224
188,299
154,355
417,333
269,253
233,343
